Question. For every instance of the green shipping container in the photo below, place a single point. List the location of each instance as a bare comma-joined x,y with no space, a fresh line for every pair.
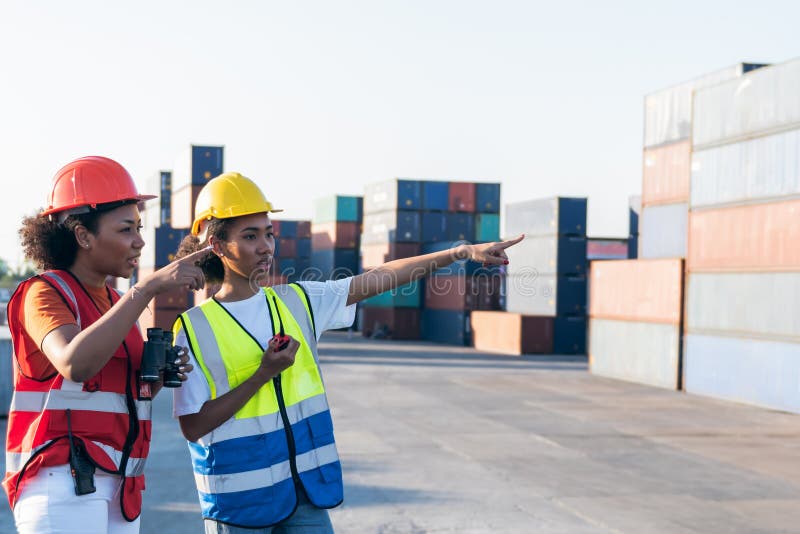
337,208
487,227
406,296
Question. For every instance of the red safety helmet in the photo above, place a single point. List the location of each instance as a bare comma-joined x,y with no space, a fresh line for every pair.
90,181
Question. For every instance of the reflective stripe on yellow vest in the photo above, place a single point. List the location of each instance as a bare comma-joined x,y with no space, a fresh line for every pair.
245,470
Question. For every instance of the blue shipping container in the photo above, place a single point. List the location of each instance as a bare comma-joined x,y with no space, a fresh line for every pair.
447,326
391,227
206,163
434,227
333,264
338,208
487,198
167,241
569,335
303,248
460,226
435,196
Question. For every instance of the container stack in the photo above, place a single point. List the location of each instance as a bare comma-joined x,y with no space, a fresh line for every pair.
292,251
335,236
193,169
667,164
635,311
607,248
161,244
392,230
742,332
458,212
545,286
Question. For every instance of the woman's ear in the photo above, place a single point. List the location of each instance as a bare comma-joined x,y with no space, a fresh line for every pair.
216,245
82,236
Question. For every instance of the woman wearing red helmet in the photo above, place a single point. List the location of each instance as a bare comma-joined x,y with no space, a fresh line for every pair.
79,422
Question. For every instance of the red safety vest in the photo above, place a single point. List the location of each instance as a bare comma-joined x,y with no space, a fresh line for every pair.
104,412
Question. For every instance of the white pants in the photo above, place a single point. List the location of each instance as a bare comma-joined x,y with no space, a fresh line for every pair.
48,505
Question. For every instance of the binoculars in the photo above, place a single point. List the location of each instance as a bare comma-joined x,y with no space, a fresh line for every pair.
160,355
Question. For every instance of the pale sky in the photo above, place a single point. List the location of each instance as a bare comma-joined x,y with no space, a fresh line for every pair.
321,97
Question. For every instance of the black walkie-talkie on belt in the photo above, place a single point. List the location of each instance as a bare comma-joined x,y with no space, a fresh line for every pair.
80,464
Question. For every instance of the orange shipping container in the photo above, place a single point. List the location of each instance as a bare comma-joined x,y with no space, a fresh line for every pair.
637,290
666,174
760,237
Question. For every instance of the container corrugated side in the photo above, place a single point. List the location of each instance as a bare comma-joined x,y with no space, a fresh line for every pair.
548,254
647,353
546,294
663,231
757,237
752,304
637,290
760,169
764,373
762,102
666,174
668,112
548,216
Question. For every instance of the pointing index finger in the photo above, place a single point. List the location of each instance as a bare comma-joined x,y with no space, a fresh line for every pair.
512,242
196,255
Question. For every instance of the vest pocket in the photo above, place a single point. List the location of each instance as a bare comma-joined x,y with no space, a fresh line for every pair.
93,424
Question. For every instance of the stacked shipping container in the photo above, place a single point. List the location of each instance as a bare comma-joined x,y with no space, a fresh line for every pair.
458,212
635,320
742,333
335,236
292,251
392,230
667,164
545,286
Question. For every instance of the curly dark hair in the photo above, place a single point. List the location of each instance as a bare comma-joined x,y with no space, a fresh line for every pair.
211,265
52,245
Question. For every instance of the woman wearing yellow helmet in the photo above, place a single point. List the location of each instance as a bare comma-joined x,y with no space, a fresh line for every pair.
257,418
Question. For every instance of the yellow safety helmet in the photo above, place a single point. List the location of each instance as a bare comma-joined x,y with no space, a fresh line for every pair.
229,195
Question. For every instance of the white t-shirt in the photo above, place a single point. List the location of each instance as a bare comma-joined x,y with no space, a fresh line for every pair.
328,302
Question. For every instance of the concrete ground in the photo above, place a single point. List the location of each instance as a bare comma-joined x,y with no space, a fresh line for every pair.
446,439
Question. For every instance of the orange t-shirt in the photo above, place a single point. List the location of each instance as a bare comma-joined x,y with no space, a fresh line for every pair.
43,311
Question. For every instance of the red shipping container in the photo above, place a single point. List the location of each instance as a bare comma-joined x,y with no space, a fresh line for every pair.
456,292
287,248
303,229
338,234
390,323
462,196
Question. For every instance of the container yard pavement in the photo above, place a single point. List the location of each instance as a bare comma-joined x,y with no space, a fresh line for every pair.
436,438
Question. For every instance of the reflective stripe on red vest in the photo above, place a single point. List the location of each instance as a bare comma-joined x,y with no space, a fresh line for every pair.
104,412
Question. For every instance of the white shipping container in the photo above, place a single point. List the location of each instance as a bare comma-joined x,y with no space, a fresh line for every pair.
648,353
663,231
760,169
762,102
752,304
547,216
549,254
533,293
668,112
765,373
